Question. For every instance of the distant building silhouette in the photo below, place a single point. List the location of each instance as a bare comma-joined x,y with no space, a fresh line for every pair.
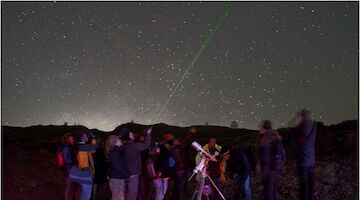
234,124
65,124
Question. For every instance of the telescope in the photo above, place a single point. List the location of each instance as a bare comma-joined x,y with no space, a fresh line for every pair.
201,168
204,156
202,151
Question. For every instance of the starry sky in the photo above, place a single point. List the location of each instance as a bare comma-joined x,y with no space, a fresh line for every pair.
104,64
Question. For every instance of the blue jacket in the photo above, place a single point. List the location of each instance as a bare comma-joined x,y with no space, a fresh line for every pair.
117,164
68,159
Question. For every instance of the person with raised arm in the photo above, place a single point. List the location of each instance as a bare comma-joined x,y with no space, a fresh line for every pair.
305,137
132,154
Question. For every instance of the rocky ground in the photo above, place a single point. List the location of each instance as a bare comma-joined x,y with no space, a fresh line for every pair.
36,177
335,179
29,169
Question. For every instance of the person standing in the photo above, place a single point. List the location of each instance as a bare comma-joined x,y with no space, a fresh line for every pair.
144,182
191,152
132,154
305,137
118,173
239,166
213,167
72,189
178,152
162,168
100,166
83,170
272,157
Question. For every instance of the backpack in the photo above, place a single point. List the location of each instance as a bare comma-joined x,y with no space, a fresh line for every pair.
60,158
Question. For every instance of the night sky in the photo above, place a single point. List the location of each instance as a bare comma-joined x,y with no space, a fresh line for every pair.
104,64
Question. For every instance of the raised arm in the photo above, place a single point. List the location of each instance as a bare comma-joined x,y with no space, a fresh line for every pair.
292,122
146,144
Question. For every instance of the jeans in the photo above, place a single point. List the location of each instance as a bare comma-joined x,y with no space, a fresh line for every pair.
118,189
306,182
179,185
238,185
270,184
72,190
85,193
133,185
161,185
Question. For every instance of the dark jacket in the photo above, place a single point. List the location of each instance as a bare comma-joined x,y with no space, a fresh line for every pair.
239,163
181,161
272,152
305,137
117,164
161,163
132,154
190,151
213,168
101,166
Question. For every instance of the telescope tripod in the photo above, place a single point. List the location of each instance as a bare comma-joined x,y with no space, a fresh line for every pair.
201,183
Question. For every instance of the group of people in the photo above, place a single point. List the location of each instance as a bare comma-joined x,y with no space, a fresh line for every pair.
137,169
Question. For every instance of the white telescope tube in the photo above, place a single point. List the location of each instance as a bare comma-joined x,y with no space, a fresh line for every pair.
202,151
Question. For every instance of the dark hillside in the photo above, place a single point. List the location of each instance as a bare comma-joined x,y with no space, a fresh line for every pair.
29,162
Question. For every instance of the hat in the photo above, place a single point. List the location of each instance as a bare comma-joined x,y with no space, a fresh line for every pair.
168,136
124,133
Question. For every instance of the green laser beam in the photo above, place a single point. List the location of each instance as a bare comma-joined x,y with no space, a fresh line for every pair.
209,36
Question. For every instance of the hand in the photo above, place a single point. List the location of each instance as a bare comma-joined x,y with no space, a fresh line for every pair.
149,131
158,174
212,158
298,114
